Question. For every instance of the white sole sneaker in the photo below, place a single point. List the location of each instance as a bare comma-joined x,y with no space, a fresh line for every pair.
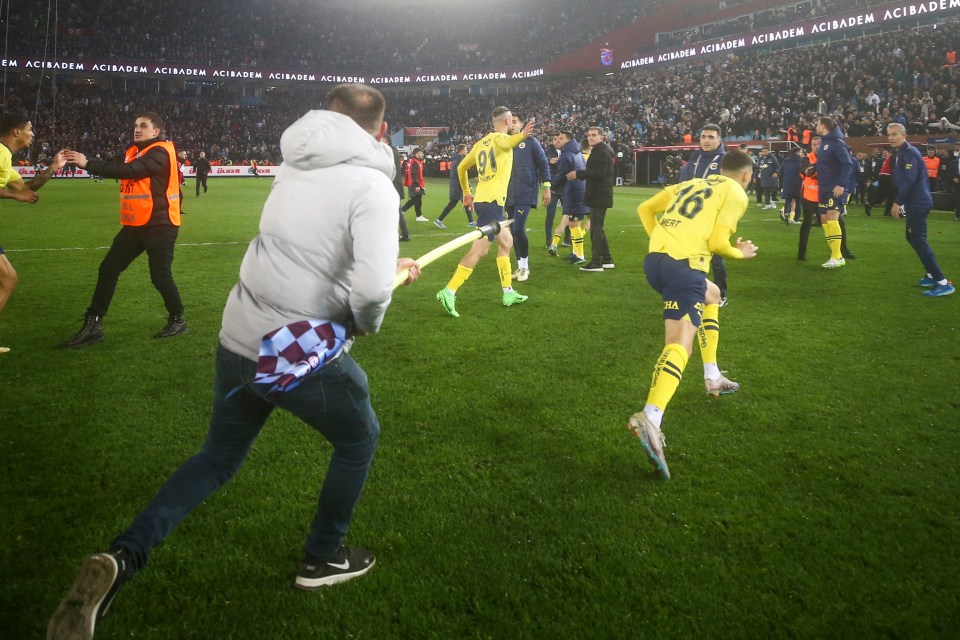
721,386
79,610
652,440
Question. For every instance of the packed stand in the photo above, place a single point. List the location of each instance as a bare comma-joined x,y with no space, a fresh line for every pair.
867,83
390,37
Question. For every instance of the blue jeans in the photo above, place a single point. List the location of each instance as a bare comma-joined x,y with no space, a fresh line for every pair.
335,401
917,237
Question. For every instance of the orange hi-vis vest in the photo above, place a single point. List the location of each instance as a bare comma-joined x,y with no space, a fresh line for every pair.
811,186
933,166
136,199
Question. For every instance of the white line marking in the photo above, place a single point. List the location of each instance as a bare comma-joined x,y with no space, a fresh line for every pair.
179,244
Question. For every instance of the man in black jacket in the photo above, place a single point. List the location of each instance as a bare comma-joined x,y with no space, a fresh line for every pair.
150,215
202,169
599,197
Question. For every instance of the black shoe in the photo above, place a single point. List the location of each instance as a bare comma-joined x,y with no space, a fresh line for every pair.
404,238
849,256
595,267
175,326
348,563
93,590
90,333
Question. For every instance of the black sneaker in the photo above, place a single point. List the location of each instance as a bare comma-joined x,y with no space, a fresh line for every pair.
96,585
175,326
594,267
348,563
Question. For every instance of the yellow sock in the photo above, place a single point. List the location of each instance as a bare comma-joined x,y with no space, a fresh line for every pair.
503,268
831,229
576,235
556,239
709,333
459,277
667,375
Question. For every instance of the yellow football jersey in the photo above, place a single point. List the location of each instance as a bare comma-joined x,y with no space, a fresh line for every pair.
691,212
492,155
7,173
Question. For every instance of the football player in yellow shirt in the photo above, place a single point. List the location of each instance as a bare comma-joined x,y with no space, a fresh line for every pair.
698,217
492,155
16,133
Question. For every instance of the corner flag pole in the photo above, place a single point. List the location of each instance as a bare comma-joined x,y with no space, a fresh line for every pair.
456,243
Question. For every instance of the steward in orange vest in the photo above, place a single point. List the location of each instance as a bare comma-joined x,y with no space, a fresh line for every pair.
141,197
809,197
933,165
150,215
810,190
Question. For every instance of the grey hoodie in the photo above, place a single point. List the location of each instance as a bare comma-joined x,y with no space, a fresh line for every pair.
327,247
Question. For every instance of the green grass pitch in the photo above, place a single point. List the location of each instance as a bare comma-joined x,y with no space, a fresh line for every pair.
507,499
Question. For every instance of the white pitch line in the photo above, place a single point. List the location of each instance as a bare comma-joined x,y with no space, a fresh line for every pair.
179,244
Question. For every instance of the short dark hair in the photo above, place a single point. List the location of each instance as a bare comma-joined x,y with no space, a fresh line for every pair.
364,105
827,123
154,118
498,112
710,127
567,134
461,147
11,121
735,161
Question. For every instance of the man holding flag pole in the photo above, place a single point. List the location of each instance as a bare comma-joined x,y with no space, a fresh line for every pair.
321,271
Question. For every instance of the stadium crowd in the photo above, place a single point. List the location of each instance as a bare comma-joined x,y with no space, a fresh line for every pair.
785,14
905,76
394,36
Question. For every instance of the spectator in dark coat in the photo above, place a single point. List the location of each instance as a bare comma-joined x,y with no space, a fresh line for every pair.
599,174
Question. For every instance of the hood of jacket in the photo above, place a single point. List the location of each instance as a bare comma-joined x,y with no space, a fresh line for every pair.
326,138
571,146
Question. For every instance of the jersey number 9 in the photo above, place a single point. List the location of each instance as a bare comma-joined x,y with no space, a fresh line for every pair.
485,156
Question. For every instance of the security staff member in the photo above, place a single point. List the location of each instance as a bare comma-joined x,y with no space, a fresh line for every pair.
932,163
150,215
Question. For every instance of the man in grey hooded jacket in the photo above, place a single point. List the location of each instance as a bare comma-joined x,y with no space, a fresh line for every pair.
323,263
